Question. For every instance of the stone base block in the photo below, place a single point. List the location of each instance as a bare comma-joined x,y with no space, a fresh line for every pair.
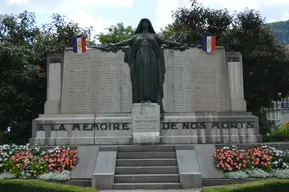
117,129
189,139
149,138
103,176
191,180
78,141
146,123
190,174
235,127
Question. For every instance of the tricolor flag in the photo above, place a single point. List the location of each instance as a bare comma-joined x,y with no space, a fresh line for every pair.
209,43
79,45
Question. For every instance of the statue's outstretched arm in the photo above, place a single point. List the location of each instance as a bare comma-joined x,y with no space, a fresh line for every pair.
124,42
166,42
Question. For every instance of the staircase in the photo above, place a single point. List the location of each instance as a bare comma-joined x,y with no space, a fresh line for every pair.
146,167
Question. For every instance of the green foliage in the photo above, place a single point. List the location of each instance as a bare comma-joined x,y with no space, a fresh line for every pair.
191,24
38,168
116,34
26,166
23,52
167,32
36,186
265,61
279,134
280,30
258,186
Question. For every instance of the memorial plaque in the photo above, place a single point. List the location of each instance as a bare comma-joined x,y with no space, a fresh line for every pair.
146,122
97,82
194,81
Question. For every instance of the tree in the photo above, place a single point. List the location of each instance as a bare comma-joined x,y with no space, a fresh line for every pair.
265,61
280,30
116,34
23,50
167,32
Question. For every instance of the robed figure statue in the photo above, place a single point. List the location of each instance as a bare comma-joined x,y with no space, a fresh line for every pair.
147,65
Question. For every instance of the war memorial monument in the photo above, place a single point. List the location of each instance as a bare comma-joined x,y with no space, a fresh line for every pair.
143,115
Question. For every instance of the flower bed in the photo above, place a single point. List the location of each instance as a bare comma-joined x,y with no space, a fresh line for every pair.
30,162
258,162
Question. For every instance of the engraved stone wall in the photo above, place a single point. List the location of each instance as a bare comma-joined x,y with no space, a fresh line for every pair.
96,82
196,81
99,82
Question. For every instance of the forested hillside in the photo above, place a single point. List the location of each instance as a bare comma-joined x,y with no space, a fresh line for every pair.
280,30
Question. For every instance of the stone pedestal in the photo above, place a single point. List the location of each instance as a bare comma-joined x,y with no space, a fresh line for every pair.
146,123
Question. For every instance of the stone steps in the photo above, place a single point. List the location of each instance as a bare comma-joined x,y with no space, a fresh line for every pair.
145,155
146,148
147,186
147,170
146,167
147,162
146,178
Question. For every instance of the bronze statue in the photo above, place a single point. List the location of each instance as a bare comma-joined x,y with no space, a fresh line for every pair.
146,61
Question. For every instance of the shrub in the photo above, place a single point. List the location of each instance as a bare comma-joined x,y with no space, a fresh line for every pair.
259,157
6,151
230,159
29,162
258,186
280,159
61,158
36,186
25,165
233,159
280,133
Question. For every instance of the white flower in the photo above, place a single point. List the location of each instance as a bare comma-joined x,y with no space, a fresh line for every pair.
7,176
236,175
56,175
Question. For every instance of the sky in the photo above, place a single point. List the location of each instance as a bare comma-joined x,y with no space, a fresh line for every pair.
103,13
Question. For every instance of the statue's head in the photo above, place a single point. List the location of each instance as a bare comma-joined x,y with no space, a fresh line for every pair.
144,23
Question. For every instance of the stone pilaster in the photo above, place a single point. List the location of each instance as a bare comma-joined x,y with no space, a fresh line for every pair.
235,70
54,82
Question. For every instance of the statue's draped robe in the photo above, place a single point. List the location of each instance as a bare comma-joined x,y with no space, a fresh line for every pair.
147,69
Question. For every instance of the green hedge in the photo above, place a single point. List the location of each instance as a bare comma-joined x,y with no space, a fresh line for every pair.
257,186
39,186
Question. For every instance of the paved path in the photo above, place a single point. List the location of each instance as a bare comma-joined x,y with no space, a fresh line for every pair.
154,190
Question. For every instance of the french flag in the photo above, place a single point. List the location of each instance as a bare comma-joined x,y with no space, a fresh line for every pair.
209,43
79,45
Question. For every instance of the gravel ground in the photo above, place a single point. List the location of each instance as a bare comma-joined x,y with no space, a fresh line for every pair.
154,190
